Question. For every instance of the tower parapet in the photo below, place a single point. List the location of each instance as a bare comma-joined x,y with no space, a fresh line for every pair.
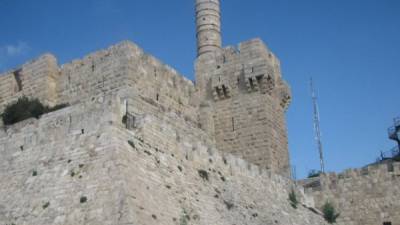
247,99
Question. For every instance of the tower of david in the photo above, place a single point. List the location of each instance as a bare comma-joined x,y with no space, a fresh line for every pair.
137,143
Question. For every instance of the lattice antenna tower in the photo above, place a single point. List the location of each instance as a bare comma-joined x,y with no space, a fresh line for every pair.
317,128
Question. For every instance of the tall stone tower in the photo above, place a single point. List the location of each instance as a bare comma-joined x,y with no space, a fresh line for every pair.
208,26
244,97
209,41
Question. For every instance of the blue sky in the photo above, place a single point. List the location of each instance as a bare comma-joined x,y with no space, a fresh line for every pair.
350,47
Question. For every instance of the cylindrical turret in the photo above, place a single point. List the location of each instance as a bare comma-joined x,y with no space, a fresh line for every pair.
208,26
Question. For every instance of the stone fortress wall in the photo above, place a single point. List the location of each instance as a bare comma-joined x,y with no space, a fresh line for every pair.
366,196
242,109
122,65
83,165
141,144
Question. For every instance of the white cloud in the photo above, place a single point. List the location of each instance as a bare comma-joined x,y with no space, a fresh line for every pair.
10,53
21,48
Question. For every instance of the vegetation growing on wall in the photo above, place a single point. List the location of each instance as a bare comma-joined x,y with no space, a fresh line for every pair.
330,213
184,220
293,199
25,108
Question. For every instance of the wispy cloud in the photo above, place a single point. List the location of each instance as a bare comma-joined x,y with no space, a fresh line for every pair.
21,48
11,52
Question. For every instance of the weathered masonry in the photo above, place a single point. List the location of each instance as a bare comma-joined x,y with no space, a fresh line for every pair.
141,144
243,96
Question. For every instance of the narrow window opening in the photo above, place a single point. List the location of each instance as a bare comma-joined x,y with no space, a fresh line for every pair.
129,121
157,97
217,90
224,90
155,72
252,69
219,79
251,82
387,223
83,131
233,124
93,66
17,77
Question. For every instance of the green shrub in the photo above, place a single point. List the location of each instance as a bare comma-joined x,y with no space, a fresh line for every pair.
293,199
184,220
330,213
25,108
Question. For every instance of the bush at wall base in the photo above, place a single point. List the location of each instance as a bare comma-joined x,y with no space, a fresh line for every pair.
330,213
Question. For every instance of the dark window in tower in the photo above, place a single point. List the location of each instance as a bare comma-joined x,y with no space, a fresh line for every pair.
387,223
157,96
233,124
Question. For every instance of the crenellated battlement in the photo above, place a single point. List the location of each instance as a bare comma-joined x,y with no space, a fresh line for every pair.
36,78
246,99
106,71
370,193
335,181
249,68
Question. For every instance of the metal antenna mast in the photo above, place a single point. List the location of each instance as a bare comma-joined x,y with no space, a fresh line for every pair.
317,128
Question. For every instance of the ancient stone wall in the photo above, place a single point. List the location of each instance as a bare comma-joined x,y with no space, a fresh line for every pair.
82,165
126,65
366,196
247,98
35,79
60,169
100,73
